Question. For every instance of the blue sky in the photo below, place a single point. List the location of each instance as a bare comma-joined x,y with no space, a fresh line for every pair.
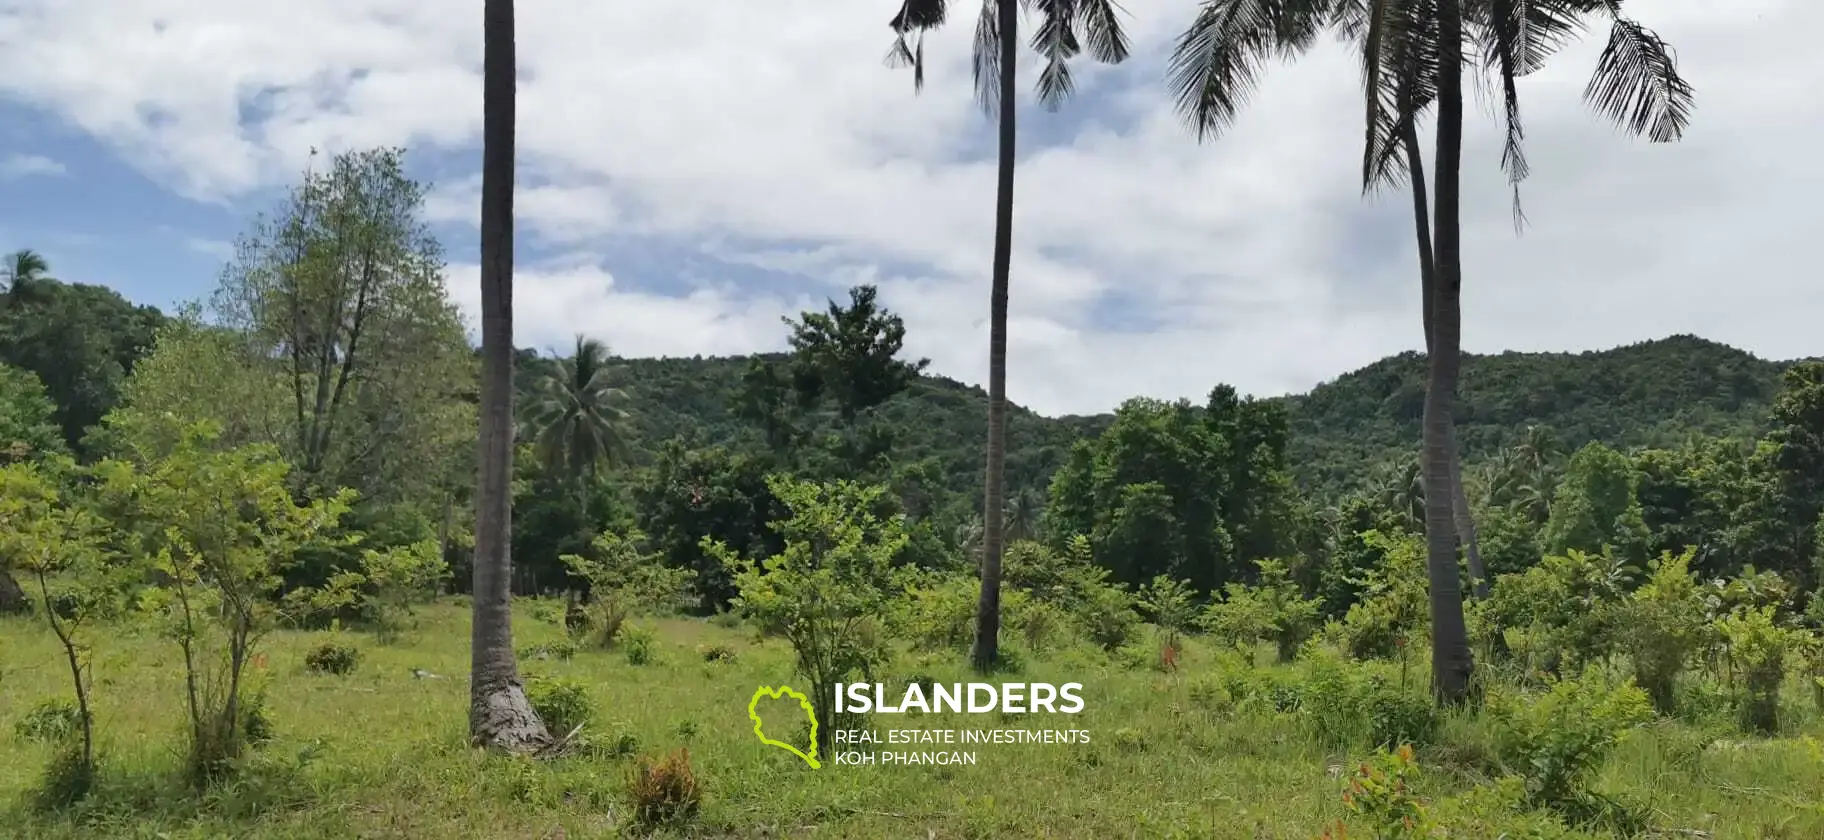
678,195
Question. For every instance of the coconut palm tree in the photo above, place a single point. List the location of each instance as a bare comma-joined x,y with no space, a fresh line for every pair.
500,716
1065,28
574,418
23,270
1413,57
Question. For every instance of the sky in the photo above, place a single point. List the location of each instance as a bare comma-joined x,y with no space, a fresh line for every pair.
689,173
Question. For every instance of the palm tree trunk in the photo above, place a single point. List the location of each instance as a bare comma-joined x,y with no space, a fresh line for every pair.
1465,522
988,609
1451,662
499,714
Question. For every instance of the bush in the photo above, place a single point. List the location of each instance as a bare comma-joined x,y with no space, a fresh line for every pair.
562,703
1757,648
639,642
561,650
665,792
1661,626
1556,740
1398,717
257,723
50,721
67,779
824,590
332,658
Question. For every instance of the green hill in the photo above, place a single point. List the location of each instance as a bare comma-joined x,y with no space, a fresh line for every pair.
1650,393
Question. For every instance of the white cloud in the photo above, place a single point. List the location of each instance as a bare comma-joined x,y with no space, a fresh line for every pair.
25,166
218,248
770,134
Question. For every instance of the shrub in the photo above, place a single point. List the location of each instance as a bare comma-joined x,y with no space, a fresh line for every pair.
1661,626
666,791
822,592
1168,603
1756,647
332,658
562,703
561,650
257,723
1398,717
1393,612
624,581
639,642
1556,740
67,779
49,721
1379,795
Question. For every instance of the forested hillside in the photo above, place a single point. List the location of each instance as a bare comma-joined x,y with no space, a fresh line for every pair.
1656,393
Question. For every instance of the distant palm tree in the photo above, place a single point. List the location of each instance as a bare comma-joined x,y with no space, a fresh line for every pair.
573,418
500,715
1064,28
1023,510
23,271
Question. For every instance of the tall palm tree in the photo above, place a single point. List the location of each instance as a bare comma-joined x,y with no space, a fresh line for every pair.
1064,28
23,270
574,418
1413,58
500,716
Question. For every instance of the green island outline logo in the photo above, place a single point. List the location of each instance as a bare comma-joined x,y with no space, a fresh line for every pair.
776,693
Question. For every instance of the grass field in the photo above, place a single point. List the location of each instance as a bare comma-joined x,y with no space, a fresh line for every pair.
380,753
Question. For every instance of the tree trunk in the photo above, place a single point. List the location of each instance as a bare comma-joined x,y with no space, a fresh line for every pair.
12,596
988,610
500,716
1465,522
1451,662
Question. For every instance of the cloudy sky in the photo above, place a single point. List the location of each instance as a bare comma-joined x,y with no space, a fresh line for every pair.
689,172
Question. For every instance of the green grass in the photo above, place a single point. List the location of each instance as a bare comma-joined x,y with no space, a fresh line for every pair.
380,754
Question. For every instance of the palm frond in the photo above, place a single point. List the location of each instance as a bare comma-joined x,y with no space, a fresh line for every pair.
1055,38
1217,61
909,25
1509,32
1636,84
1102,31
987,59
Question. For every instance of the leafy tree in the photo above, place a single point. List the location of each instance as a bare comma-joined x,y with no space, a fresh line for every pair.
823,591
500,716
1662,626
624,580
1063,31
57,546
1595,507
1169,604
81,341
340,295
218,527
691,494
28,430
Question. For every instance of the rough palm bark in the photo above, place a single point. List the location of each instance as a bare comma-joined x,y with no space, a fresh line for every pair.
1451,661
500,716
988,609
1465,521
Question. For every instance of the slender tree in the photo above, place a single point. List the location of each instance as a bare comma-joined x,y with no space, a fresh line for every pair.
1064,28
500,716
1413,55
